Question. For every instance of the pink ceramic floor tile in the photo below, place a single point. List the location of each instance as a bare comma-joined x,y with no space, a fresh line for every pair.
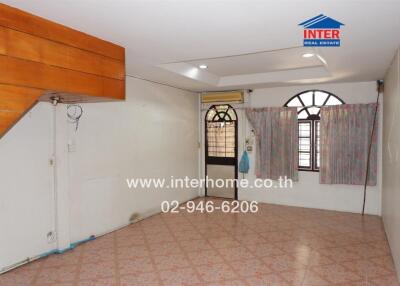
267,280
135,265
265,249
227,283
337,273
166,248
236,253
279,245
187,235
294,277
132,252
69,258
195,245
98,270
314,279
205,257
57,274
143,279
99,282
284,263
17,278
173,261
182,276
94,256
216,272
250,267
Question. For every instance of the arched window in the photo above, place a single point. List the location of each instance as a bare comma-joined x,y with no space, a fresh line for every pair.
221,131
308,105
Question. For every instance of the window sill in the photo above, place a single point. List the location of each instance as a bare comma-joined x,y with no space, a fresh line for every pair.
305,170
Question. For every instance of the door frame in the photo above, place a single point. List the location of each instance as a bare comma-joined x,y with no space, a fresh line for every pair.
221,160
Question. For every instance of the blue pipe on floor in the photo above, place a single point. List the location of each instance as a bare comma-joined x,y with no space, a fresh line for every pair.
71,246
54,251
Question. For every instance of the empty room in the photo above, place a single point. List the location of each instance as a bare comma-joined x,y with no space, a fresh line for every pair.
199,142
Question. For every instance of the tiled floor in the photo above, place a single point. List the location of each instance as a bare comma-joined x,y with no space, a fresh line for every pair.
277,246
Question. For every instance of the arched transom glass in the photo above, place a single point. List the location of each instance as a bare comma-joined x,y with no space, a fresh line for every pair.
308,103
221,113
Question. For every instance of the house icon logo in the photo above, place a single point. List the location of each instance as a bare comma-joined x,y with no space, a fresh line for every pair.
321,31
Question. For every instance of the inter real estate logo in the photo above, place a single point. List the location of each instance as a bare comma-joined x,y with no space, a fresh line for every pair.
321,31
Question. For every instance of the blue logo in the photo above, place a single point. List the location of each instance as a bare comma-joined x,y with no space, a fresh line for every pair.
321,31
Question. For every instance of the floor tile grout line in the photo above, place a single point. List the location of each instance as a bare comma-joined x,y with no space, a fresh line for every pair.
307,270
222,257
160,282
37,273
245,246
116,260
184,252
80,263
258,258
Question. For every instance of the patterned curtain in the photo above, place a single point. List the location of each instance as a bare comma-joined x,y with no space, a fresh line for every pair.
276,133
345,138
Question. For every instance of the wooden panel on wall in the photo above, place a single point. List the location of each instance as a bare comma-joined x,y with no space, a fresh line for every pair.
25,22
3,41
14,103
36,75
28,47
7,120
14,98
39,58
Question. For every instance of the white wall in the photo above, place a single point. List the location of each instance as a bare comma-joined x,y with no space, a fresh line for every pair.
391,159
308,192
154,133
26,187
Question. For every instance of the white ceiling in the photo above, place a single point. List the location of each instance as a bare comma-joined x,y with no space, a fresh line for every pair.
245,43
261,62
260,68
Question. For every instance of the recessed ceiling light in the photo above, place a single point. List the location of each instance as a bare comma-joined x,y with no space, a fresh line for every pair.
203,66
308,55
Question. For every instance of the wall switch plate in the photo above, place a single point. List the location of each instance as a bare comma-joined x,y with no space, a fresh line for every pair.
71,146
51,237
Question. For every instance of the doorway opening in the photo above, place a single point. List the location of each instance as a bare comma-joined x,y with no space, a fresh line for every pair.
221,150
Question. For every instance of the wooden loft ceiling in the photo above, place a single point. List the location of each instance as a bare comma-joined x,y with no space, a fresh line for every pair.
40,59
